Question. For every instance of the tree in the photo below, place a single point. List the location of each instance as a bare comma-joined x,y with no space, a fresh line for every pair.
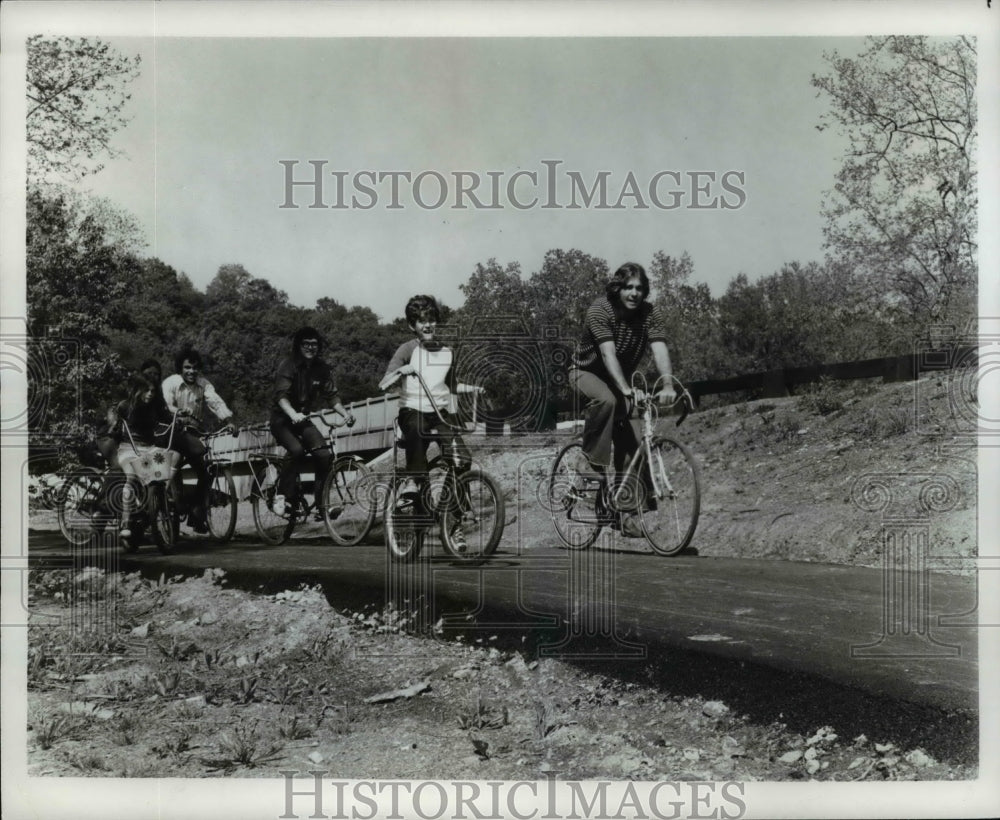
562,291
358,348
242,335
802,315
903,209
74,280
692,318
494,291
158,309
76,98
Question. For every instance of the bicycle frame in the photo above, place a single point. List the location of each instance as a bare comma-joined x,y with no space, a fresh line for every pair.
643,453
281,461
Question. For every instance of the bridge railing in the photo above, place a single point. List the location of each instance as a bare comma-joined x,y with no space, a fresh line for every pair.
372,434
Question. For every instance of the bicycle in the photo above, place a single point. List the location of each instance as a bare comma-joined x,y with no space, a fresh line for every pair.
662,482
83,510
345,502
467,506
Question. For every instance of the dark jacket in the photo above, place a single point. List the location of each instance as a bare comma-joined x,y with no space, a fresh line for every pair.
308,386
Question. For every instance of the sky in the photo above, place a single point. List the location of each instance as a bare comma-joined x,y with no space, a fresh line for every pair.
213,119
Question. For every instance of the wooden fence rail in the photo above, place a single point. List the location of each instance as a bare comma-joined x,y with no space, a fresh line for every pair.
777,383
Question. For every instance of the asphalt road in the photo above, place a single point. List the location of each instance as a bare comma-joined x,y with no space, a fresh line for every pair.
907,637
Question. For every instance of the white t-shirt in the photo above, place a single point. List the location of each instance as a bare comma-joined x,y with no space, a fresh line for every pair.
433,363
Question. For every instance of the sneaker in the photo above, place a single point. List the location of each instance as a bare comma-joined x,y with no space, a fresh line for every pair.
630,527
458,542
199,525
125,532
279,505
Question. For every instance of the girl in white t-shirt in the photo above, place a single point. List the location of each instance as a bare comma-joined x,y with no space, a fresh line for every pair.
418,412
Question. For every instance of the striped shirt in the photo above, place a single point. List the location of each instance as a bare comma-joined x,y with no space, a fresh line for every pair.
632,336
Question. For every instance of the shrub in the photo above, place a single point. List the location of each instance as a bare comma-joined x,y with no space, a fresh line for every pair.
823,398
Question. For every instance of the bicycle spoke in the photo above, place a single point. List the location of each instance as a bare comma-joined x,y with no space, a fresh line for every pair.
405,527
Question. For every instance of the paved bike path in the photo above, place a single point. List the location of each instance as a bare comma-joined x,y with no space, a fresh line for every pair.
907,636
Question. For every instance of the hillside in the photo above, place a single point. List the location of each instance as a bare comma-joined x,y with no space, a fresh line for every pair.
823,476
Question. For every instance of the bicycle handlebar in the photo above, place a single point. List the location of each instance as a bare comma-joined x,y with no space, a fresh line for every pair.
437,412
319,414
683,394
340,421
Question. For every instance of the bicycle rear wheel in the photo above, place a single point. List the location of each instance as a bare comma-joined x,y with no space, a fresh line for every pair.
472,521
575,501
672,515
405,527
349,501
221,503
77,501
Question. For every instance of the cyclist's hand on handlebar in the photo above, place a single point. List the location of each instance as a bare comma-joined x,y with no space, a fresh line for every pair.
351,420
229,427
667,395
297,417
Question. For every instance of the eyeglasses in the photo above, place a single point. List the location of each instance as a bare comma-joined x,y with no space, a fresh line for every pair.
310,345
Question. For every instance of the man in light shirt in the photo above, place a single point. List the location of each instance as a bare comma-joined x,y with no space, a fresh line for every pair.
187,393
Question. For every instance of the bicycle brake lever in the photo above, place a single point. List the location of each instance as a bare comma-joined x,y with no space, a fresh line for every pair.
686,403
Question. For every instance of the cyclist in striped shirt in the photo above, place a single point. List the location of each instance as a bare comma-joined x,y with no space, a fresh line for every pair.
620,327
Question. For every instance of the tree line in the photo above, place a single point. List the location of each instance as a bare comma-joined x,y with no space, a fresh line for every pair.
900,266
513,332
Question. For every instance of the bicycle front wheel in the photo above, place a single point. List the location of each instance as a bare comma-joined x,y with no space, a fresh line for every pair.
349,501
575,501
405,526
222,503
272,528
163,511
669,514
77,502
472,520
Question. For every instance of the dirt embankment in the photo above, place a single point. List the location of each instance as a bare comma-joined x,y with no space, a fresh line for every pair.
827,476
